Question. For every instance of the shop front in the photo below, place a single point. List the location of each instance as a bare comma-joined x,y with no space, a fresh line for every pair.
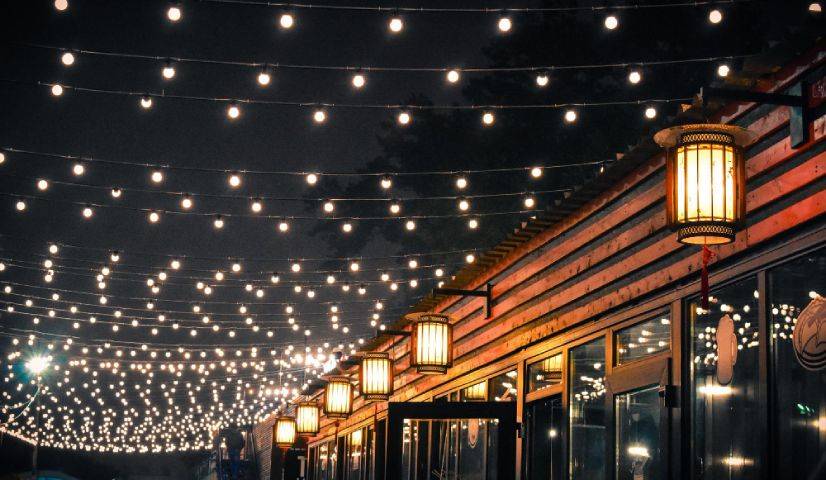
605,357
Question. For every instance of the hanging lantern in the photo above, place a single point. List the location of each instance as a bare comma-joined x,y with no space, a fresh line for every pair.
431,343
476,393
705,181
306,418
376,376
338,397
284,432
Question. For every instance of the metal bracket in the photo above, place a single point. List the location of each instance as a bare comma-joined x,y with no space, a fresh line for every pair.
797,100
486,293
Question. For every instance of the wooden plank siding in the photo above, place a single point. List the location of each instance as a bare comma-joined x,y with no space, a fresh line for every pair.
615,250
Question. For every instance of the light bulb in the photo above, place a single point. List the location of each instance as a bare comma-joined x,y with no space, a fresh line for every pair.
358,80
386,182
542,80
473,223
233,111
504,24
146,102
395,208
234,180
186,202
20,205
42,184
57,90
410,225
536,172
354,266
236,267
157,176
403,118
264,78
154,217
815,7
650,112
396,25
68,58
453,76
312,178
286,21
173,14
87,212
570,116
529,202
329,207
61,5
412,263
723,70
488,118
283,226
256,206
296,267
611,22
715,16
470,258
319,116
347,227
168,71
464,205
116,192
461,183
218,223
634,77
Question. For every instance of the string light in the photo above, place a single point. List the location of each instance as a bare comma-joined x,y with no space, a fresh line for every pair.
504,24
461,183
286,21
723,70
87,212
650,113
312,178
611,22
116,192
358,80
473,224
234,180
634,77
386,182
154,217
410,225
256,206
329,206
464,205
174,13
42,185
529,202
488,118
542,80
403,118
146,102
283,226
396,25
264,77
218,222
815,7
168,71
57,90
347,227
68,58
157,176
570,116
395,208
233,111
78,169
20,205
61,5
319,116
715,16
453,76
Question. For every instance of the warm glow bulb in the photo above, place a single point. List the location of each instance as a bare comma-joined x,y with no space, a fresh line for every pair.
168,71
461,183
715,16
296,267
488,118
453,76
256,206
464,205
650,112
61,5
723,70
57,90
173,14
396,25
78,169
42,184
473,223
358,80
505,24
570,116
157,176
234,180
286,21
312,178
529,202
634,77
146,102
386,182
410,225
218,223
347,227
116,192
611,22
536,172
264,78
395,208
87,212
154,217
233,111
403,118
20,205
283,226
68,58
329,206
319,116
542,80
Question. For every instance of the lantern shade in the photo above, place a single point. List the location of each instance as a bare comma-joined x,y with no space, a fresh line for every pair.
705,181
431,343
307,418
338,397
376,376
284,432
477,392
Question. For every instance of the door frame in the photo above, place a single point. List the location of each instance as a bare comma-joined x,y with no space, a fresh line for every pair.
504,412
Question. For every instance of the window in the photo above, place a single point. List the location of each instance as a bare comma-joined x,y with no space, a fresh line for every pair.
643,339
725,436
545,373
800,407
355,449
544,447
638,452
586,400
502,388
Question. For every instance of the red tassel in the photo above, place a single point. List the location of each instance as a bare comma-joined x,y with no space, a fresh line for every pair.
707,256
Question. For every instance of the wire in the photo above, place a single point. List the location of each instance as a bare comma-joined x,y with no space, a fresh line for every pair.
352,68
374,106
379,9
91,159
13,419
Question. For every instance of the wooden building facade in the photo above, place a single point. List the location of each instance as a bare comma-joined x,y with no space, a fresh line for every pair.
597,344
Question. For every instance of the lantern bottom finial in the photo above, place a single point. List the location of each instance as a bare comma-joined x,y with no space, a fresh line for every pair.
709,234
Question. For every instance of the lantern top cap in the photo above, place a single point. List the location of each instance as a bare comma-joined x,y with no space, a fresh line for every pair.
413,317
669,137
376,355
308,403
338,378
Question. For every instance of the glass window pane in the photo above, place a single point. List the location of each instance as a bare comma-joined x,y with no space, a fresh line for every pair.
355,445
502,388
544,447
725,444
638,435
643,339
801,393
586,401
472,449
545,373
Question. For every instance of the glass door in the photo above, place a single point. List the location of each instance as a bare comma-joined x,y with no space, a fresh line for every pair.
451,441
543,452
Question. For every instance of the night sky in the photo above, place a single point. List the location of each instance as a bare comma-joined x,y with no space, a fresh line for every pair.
201,146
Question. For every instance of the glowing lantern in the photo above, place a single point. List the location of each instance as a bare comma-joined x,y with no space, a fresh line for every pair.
705,181
432,343
376,376
306,418
284,432
338,397
478,392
